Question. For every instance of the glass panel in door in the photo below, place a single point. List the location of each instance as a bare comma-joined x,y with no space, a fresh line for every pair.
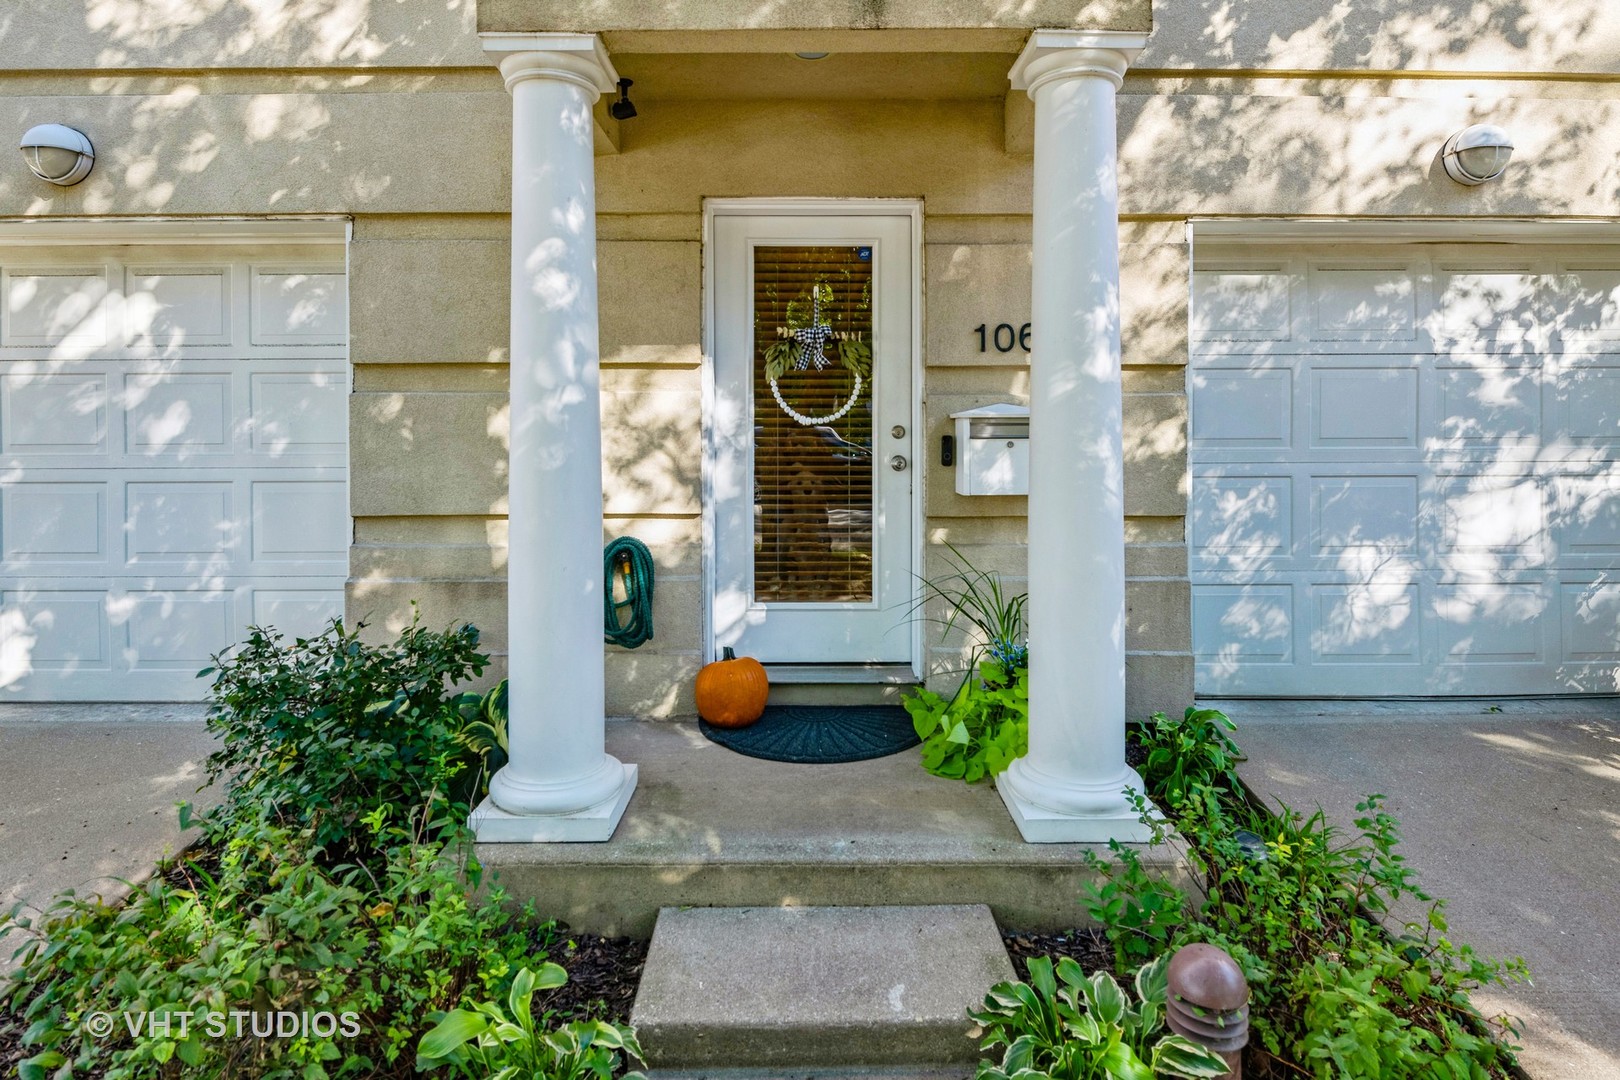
813,502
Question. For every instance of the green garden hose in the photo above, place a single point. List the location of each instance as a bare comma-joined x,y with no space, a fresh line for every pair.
628,559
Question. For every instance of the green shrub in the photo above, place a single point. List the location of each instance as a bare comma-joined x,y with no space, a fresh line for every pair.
273,931
1296,905
1141,914
1196,750
1075,1027
328,733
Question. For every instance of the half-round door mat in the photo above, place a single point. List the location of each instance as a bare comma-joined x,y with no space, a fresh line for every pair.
820,734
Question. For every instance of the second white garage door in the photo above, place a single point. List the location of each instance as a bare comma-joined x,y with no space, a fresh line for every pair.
174,437
1406,470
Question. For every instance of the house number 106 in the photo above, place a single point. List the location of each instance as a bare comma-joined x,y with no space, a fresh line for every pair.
1004,337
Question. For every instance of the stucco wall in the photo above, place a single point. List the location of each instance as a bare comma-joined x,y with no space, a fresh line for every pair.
392,114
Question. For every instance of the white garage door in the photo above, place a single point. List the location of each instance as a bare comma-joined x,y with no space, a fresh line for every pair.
1406,470
173,435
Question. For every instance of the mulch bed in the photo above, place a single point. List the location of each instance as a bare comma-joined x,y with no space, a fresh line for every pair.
1088,946
603,974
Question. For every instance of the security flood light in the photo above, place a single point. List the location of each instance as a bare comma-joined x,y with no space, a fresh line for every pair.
58,154
1476,154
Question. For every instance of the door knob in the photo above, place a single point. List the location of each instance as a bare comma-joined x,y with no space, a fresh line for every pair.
898,463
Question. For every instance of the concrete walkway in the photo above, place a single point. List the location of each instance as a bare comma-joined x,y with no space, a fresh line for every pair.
1512,816
87,796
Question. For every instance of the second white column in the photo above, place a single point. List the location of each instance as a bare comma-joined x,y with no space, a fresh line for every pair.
1071,785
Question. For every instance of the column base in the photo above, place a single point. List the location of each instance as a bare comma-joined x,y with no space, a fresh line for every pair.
1115,820
492,825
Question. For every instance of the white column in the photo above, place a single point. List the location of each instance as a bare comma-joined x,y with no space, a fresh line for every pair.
560,784
1071,785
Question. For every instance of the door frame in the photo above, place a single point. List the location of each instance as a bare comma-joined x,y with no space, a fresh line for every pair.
911,209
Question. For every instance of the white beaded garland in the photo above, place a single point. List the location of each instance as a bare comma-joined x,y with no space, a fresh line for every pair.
815,421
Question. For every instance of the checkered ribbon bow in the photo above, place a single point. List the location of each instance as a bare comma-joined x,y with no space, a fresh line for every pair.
813,339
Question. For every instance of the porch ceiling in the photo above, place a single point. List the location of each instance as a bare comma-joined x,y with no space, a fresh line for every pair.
606,16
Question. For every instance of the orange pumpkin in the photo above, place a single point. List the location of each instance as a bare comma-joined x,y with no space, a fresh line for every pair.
731,692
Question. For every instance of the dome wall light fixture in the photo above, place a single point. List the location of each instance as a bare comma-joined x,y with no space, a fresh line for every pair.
58,154
811,54
1477,154
623,109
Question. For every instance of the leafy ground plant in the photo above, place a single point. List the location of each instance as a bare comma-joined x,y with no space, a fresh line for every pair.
486,1042
978,732
1066,1025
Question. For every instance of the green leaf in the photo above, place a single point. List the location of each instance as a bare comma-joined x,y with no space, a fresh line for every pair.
959,735
451,1032
1106,999
1180,1056
1122,1063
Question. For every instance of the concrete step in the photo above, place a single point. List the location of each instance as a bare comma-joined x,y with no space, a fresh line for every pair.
808,988
711,828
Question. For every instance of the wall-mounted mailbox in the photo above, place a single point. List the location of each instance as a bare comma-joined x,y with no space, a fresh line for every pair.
992,450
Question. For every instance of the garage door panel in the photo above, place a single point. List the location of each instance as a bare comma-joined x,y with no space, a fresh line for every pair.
170,308
53,414
1363,516
193,523
55,306
47,523
1363,303
1591,620
1243,302
1486,407
58,630
298,306
1450,521
1375,621
296,612
299,413
1590,299
300,520
181,415
1243,408
1248,624
1587,406
1239,521
1588,515
1490,622
1363,408
174,631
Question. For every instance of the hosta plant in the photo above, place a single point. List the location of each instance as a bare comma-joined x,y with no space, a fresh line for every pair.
487,1042
1064,1025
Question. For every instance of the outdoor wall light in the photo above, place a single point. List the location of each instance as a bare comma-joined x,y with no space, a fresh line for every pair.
1476,154
623,109
809,55
58,154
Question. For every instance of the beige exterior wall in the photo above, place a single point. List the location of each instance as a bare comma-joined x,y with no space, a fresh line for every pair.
392,114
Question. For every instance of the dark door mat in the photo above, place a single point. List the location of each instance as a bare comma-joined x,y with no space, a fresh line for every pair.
820,734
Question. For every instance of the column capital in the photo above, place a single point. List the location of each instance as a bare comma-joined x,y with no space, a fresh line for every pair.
1068,54
576,58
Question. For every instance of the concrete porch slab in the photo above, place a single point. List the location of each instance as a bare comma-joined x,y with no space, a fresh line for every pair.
1509,809
710,828
786,987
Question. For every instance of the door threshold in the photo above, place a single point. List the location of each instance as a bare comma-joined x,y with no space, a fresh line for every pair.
888,674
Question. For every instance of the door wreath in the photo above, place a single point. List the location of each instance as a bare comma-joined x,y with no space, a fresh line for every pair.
802,346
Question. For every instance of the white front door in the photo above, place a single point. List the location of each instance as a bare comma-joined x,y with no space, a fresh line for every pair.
812,478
